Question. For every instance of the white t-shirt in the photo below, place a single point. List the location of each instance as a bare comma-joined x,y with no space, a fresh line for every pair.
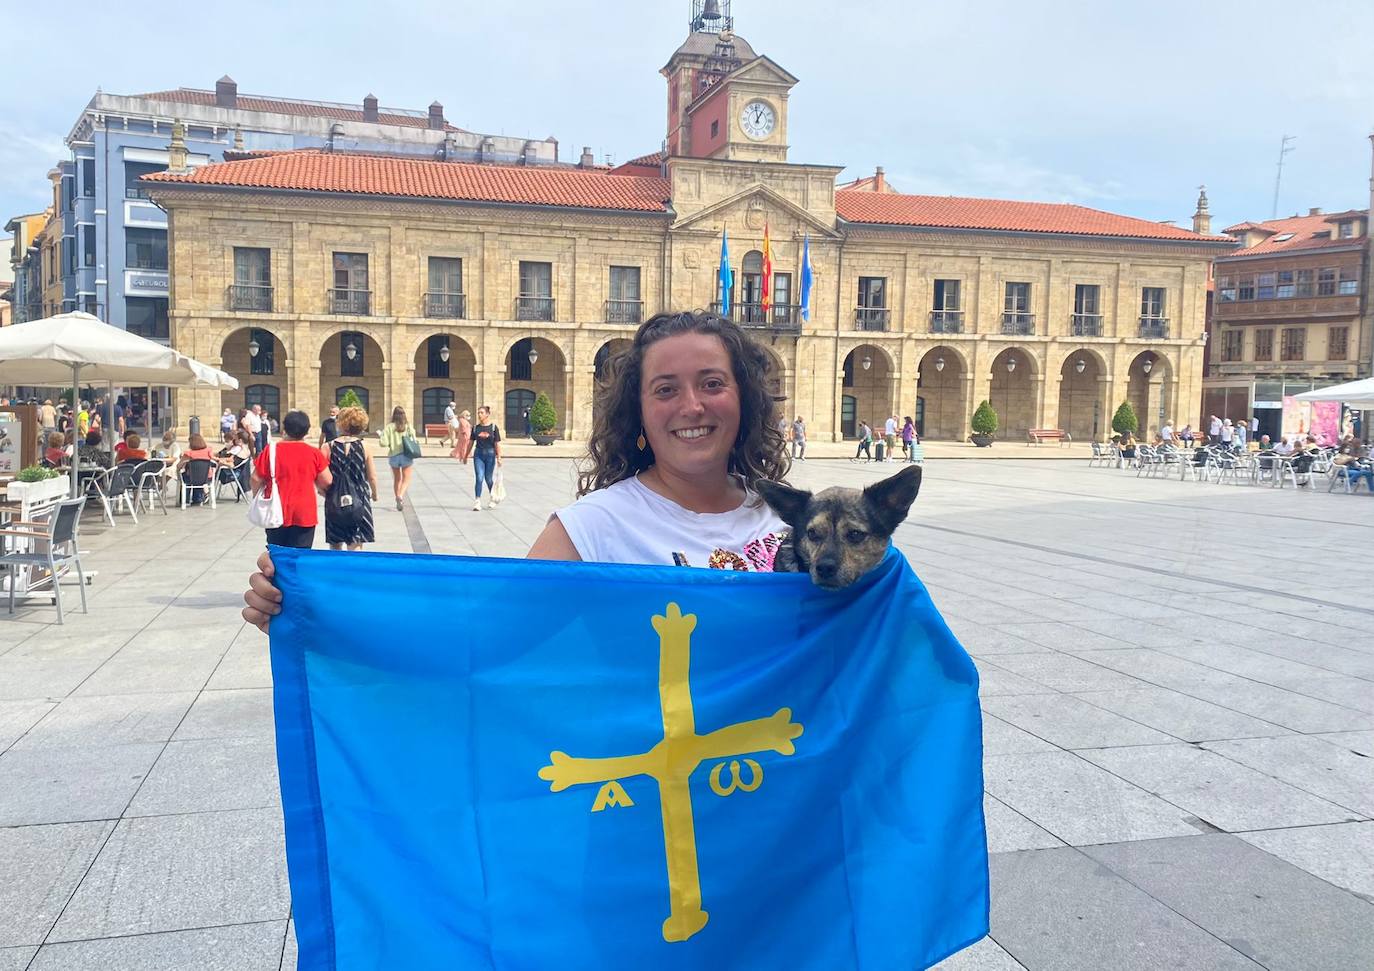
1167,433
630,523
890,427
252,423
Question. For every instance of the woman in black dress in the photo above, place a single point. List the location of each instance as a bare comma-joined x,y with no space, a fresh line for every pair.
348,503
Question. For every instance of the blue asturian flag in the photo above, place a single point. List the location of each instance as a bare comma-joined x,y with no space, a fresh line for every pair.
725,277
510,764
806,278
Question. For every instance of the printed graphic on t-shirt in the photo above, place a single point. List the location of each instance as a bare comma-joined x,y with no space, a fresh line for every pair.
758,555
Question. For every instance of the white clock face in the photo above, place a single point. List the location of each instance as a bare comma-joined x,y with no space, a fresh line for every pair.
757,119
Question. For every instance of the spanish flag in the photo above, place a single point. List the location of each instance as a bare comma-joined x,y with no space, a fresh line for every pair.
767,271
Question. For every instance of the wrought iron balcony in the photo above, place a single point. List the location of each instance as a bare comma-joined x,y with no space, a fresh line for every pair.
354,303
781,318
1154,328
872,318
533,308
1019,324
1087,325
946,321
445,304
250,296
624,311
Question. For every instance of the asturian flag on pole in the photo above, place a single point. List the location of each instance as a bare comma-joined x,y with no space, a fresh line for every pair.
725,276
767,295
806,278
581,766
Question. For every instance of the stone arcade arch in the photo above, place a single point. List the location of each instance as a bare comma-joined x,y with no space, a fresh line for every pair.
942,410
1012,393
1081,380
1149,389
363,369
601,364
525,379
867,379
434,375
262,371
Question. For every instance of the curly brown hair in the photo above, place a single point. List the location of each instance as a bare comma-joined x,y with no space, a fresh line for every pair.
352,421
613,452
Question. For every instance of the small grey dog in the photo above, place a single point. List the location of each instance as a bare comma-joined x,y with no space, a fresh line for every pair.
840,534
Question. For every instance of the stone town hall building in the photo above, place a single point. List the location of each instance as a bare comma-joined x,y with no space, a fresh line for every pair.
307,273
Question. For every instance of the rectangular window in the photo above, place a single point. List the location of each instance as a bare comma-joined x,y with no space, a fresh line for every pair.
1226,289
1326,281
145,249
87,245
133,171
444,297
873,291
1294,347
1152,301
1347,230
1305,283
1349,284
623,305
535,301
265,360
1086,298
1231,345
68,193
252,287
146,317
351,347
351,294
946,295
68,254
1337,343
1287,288
1247,288
782,298
1264,344
88,178
436,360
1265,289
1017,298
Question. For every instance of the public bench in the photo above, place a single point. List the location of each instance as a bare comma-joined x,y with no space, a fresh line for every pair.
436,431
1038,435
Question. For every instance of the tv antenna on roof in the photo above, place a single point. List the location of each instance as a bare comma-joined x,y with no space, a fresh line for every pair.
1284,148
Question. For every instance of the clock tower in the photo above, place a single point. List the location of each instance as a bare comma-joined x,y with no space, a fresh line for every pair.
724,100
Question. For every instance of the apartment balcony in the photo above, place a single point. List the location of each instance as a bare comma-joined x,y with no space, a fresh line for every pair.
1154,328
534,308
780,318
446,305
1018,324
946,321
352,303
252,297
872,318
624,311
1086,325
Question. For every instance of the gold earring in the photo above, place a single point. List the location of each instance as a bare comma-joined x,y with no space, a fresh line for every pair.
640,442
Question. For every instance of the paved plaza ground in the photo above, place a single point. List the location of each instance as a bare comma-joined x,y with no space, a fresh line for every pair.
1177,683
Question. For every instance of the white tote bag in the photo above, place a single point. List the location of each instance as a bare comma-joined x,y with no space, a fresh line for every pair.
264,509
498,487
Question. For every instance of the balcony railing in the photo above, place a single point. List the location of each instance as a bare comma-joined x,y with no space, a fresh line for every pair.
624,311
872,318
445,304
1087,325
946,321
354,303
782,318
146,262
1154,328
250,296
533,308
1019,324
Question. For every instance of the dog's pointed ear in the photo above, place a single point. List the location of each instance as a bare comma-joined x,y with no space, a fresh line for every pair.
787,502
891,499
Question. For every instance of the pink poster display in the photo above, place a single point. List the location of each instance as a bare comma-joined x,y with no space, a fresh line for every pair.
1320,419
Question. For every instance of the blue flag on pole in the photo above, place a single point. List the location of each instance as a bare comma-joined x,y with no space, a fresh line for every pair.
510,764
806,278
725,277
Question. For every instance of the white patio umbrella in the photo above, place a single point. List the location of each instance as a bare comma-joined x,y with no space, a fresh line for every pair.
1356,393
78,347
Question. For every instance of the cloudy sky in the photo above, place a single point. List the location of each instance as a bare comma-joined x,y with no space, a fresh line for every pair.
1124,105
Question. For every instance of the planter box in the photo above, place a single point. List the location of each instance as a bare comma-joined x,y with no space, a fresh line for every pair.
33,495
982,441
544,438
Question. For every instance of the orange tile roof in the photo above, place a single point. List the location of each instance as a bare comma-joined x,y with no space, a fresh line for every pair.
287,106
1316,231
952,212
430,179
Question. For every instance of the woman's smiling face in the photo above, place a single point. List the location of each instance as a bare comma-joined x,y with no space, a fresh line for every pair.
689,403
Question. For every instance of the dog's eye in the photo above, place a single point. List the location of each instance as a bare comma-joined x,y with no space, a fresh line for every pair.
855,536
814,535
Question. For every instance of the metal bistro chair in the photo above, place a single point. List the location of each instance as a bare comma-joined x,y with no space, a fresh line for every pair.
58,534
231,477
123,489
1341,473
95,484
198,476
148,485
1103,456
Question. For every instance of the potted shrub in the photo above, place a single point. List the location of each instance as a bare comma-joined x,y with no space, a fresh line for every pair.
984,425
1124,420
350,399
543,419
35,485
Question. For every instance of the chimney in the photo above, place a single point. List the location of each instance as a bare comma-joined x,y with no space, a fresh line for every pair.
370,108
588,160
1202,218
1315,211
436,116
238,139
226,93
879,180
176,151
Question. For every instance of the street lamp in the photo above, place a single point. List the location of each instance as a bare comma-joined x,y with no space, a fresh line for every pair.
1011,364
1148,366
939,364
534,356
444,354
253,348
1080,365
867,362
351,350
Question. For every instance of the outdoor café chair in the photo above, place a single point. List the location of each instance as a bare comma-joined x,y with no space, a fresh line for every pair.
123,489
231,477
96,486
52,546
148,484
198,476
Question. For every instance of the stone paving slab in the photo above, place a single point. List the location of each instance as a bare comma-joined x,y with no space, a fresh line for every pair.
1274,913
114,719
60,785
16,958
242,947
1341,853
1071,723
208,774
41,866
1314,765
1189,719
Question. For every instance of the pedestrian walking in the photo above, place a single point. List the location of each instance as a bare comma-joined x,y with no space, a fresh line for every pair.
865,441
451,424
348,502
485,450
908,435
398,438
329,428
227,423
799,439
462,434
890,436
296,471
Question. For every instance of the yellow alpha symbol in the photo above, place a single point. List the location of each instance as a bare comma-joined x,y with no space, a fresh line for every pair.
671,763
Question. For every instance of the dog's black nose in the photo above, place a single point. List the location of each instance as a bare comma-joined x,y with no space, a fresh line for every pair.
827,571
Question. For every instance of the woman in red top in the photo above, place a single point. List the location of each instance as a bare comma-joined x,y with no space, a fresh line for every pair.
302,471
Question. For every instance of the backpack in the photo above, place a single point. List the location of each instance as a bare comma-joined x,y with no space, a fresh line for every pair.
341,503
